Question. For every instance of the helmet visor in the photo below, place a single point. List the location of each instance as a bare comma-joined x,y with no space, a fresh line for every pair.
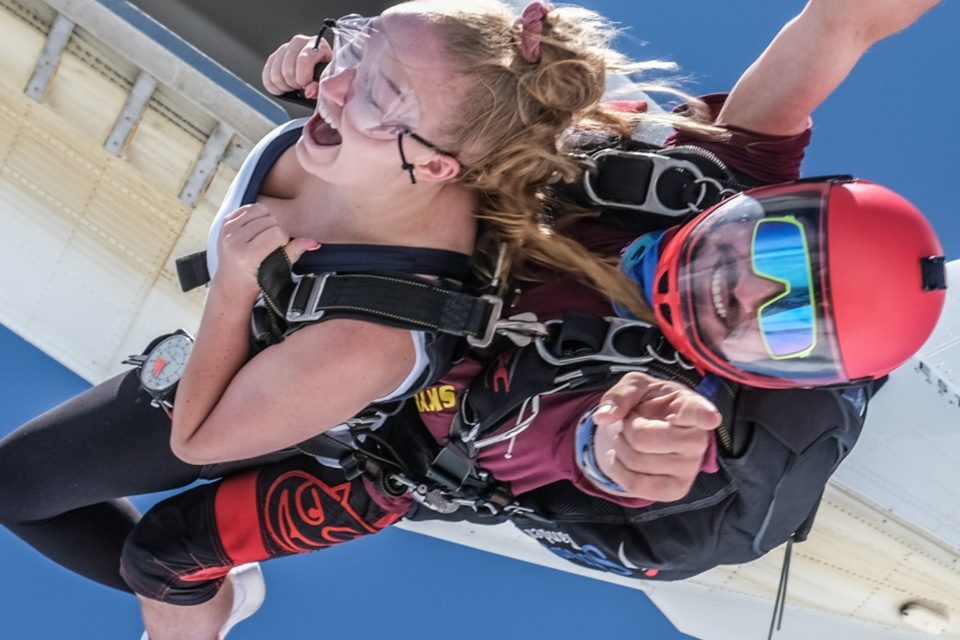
752,285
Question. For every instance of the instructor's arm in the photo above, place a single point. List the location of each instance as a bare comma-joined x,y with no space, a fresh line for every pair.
809,58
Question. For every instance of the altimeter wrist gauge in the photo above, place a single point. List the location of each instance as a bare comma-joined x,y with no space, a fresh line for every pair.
162,366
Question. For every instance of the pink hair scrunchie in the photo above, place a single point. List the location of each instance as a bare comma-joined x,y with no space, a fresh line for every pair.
530,28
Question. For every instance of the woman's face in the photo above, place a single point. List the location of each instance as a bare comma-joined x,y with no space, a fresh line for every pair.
727,294
389,75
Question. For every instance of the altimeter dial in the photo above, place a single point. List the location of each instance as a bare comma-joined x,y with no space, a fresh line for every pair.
164,365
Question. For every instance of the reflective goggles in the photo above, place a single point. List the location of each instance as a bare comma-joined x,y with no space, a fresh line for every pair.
780,253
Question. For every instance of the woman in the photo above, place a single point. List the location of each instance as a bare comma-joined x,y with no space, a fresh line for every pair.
465,104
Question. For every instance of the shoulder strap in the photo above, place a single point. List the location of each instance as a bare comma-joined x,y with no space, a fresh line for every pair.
670,182
193,272
396,299
364,258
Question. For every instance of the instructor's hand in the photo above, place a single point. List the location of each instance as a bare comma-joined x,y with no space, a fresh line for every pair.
652,436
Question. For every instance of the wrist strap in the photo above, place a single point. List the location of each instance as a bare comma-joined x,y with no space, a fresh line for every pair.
586,455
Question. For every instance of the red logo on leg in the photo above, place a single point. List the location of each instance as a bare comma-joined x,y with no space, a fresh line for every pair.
303,513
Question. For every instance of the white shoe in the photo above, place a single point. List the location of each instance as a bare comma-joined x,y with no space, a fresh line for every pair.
249,590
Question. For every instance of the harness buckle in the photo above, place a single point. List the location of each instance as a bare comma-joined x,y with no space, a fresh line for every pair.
490,327
659,165
609,352
522,328
365,422
308,311
515,509
432,499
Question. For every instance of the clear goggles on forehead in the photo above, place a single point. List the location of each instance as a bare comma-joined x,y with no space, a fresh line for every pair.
382,103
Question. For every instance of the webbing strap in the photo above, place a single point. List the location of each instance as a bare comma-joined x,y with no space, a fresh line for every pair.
408,302
395,299
192,270
675,182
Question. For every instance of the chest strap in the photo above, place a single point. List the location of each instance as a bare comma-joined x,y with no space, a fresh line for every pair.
399,300
193,270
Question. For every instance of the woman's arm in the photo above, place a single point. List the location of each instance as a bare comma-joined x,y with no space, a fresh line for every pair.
809,58
315,379
228,408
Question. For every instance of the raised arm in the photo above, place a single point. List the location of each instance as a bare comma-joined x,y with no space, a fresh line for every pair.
809,58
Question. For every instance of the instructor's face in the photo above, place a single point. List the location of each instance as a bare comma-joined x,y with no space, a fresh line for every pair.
727,294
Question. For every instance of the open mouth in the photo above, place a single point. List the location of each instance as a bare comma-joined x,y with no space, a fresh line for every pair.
321,129
723,280
716,292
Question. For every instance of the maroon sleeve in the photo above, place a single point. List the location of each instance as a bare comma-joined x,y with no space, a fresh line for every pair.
768,159
545,452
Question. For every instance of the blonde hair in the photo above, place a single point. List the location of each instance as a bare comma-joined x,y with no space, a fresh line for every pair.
514,113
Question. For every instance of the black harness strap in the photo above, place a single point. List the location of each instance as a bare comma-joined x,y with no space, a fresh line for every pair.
193,271
398,300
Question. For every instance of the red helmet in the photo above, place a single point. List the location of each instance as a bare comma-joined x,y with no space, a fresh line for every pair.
802,284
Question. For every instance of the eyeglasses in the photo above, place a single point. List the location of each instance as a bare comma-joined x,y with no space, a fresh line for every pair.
384,104
788,322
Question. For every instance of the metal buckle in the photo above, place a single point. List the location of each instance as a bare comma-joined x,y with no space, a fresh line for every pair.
367,422
607,352
522,328
166,405
490,329
660,165
515,509
310,313
433,499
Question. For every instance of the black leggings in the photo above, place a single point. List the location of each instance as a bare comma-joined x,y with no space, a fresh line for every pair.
64,475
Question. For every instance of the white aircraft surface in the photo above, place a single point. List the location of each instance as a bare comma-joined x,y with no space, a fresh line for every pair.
114,164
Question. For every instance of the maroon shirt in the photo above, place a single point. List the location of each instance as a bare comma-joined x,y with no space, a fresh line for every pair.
544,452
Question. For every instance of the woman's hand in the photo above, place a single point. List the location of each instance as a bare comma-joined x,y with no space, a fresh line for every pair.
290,67
652,436
247,237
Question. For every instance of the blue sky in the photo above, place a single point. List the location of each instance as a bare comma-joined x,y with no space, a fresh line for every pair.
891,122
